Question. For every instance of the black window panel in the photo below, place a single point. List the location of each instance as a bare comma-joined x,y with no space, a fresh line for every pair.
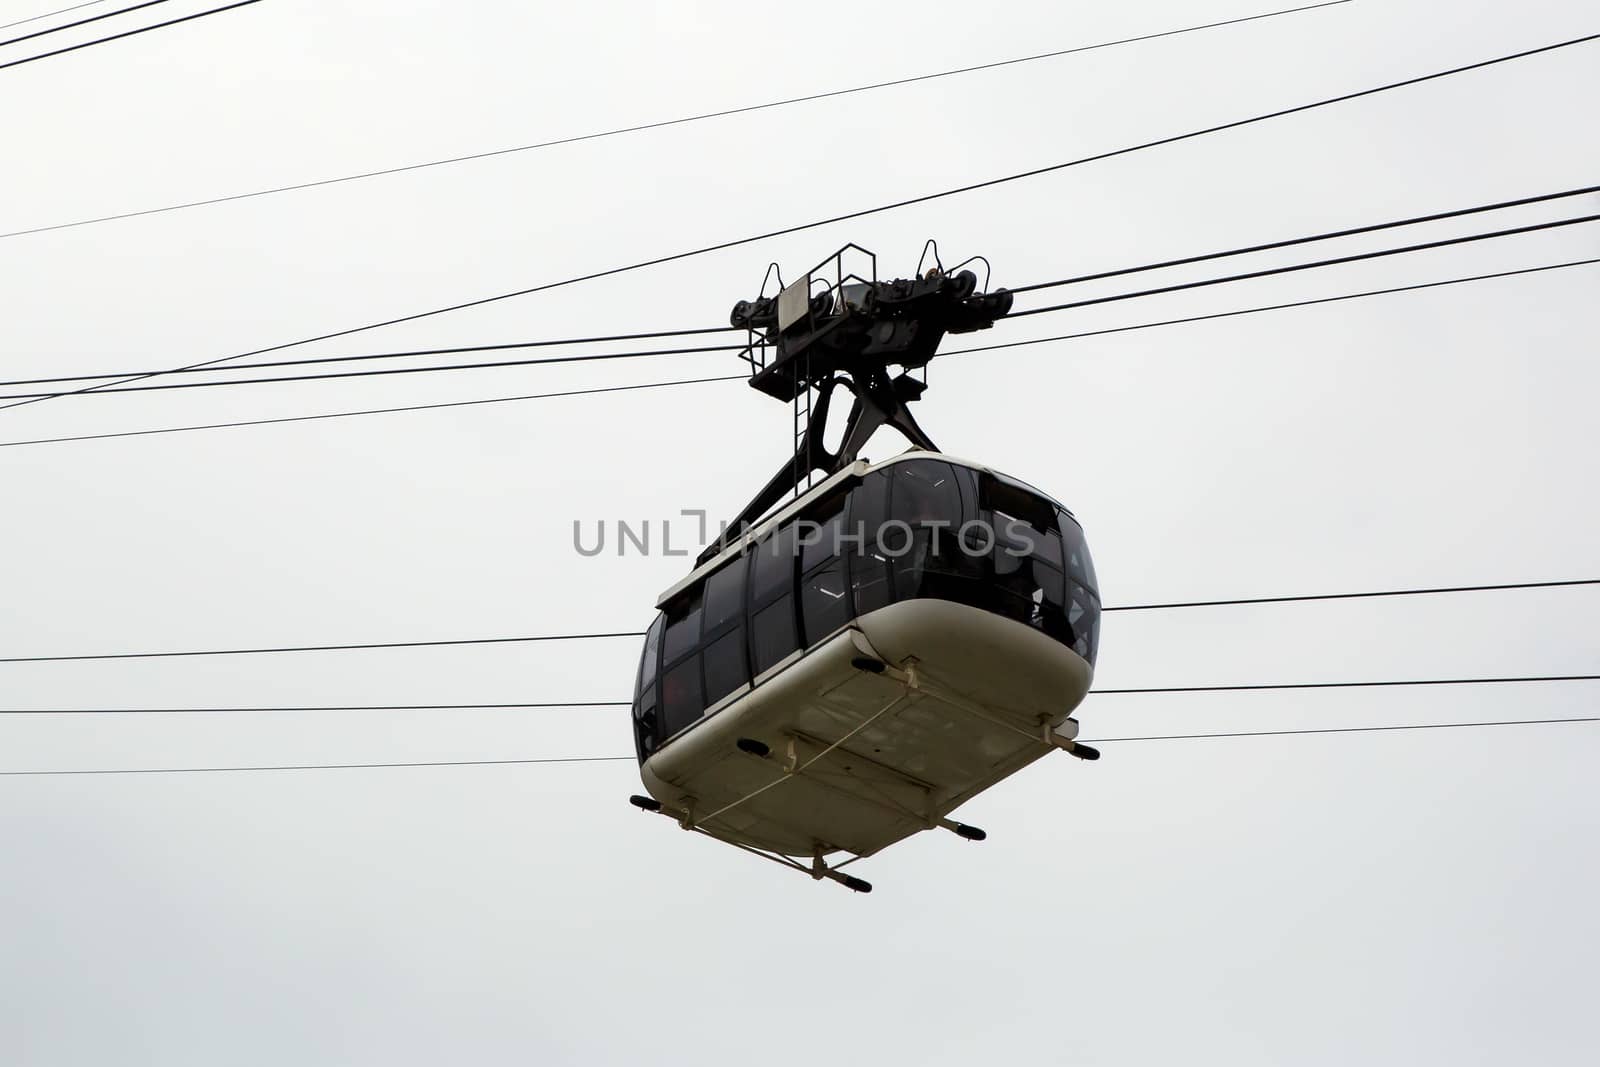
1083,619
724,603
683,628
997,495
1051,601
1014,537
682,696
824,601
967,482
925,492
646,723
927,498
773,635
651,659
725,665
1051,582
870,579
1080,567
869,568
821,541
773,569
869,504
1012,603
1019,547
1027,578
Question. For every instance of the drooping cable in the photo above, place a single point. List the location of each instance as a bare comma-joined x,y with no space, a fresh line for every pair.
1267,307
80,22
1292,268
405,354
682,120
1148,690
128,33
52,14
990,183
1352,231
323,766
113,389
631,759
383,411
606,635
1279,686
1119,272
744,378
589,357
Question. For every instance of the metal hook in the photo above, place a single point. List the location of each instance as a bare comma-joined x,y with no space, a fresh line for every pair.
987,269
772,268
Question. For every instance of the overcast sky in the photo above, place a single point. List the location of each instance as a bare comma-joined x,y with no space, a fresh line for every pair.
1382,898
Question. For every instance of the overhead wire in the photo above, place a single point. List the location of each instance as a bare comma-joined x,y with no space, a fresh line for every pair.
630,759
1279,686
320,766
745,378
1119,272
81,22
862,213
1148,690
52,14
407,353
127,33
589,357
235,424
611,634
642,127
1341,730
319,707
114,389
1351,231
1266,307
1292,268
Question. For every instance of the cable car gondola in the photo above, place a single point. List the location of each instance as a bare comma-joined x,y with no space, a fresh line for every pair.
849,669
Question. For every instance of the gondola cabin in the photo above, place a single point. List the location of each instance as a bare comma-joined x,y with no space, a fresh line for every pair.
888,645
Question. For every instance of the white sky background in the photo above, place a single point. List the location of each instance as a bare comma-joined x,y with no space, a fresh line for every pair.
1392,898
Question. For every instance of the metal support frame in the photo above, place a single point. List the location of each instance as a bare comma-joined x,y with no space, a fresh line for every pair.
879,401
851,335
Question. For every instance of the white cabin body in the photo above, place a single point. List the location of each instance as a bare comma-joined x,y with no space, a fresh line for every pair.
883,648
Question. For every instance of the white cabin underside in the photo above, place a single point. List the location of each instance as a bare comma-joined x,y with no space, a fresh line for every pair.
859,760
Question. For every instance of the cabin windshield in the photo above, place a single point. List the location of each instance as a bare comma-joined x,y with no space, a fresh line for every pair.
916,529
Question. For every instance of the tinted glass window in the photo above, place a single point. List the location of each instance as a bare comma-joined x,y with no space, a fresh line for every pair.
1023,558
725,666
997,495
824,601
1018,538
772,634
1079,565
925,493
931,563
774,566
652,656
645,723
820,532
683,629
1083,621
725,597
869,568
869,576
682,700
